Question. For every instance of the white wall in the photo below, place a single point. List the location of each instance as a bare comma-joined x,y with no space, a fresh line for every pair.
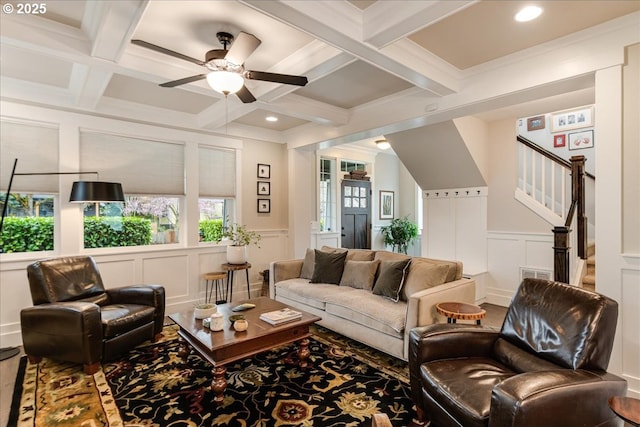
178,267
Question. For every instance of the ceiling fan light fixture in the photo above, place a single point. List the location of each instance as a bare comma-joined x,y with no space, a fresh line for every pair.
383,144
225,82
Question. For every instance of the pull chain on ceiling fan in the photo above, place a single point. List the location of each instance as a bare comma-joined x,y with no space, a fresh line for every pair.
225,67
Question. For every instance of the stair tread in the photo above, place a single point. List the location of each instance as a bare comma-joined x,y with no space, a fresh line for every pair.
589,279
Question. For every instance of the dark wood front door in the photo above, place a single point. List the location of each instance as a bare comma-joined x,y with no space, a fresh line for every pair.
356,214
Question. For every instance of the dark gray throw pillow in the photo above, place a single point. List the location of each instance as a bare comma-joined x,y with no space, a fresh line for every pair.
391,278
328,267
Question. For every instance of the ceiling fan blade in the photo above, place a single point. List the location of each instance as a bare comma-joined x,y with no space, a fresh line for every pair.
245,96
242,47
186,80
276,78
166,51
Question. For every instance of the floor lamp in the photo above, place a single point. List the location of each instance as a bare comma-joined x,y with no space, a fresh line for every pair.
81,192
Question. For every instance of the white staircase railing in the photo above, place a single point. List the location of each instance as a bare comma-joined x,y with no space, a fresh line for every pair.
544,185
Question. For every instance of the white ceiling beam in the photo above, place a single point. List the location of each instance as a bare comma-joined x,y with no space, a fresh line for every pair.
110,25
89,84
44,36
308,109
218,113
320,20
385,22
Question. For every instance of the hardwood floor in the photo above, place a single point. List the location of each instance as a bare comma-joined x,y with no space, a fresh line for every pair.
9,367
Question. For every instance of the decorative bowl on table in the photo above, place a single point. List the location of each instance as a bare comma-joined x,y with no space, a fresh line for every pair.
202,311
235,317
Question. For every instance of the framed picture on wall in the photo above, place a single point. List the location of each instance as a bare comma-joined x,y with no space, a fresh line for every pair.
535,123
264,205
264,171
572,119
559,140
580,140
386,204
264,188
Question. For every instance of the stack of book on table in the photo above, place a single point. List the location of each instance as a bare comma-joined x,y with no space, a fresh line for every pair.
280,316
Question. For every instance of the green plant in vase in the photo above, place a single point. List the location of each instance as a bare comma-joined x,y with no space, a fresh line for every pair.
240,237
399,234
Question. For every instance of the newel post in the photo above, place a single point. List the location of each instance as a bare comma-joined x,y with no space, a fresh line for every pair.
578,194
561,253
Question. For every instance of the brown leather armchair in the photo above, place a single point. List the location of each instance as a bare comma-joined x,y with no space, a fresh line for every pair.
75,319
545,367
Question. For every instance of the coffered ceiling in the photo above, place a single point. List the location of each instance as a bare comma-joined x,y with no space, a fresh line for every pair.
78,55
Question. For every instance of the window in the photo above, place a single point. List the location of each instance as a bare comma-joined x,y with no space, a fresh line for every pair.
31,210
142,220
327,194
152,176
28,226
350,166
217,184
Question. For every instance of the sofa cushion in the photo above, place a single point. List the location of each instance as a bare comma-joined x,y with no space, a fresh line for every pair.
364,308
423,275
359,274
328,267
312,295
391,278
390,256
455,267
308,264
360,255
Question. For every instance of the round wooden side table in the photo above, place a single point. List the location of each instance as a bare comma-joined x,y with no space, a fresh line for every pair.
626,408
460,311
232,268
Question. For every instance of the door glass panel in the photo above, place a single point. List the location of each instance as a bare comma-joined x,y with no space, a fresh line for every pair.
363,192
347,191
356,202
347,202
363,203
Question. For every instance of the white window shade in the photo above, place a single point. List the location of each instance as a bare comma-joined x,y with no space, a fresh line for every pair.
36,148
217,172
143,167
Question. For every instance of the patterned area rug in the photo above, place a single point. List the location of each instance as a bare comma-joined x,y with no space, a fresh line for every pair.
343,385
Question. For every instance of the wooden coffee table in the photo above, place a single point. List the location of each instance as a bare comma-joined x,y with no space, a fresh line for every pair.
461,311
226,346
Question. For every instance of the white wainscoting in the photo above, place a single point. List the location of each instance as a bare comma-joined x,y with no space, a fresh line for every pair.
178,270
507,253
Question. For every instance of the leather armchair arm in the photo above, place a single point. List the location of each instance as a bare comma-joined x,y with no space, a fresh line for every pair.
556,397
447,341
136,294
71,331
151,295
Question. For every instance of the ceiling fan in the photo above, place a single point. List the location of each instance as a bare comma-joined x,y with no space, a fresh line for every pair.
225,71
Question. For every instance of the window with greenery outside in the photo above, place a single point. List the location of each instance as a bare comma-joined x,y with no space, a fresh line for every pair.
28,226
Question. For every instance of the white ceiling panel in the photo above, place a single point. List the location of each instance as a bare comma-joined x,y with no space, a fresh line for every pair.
27,65
147,93
354,84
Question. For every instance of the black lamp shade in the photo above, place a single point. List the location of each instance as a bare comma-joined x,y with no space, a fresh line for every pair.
96,191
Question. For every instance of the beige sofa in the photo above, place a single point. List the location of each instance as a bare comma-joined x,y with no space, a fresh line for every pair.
365,303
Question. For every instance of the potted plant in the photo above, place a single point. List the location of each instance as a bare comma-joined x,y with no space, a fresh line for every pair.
240,237
399,234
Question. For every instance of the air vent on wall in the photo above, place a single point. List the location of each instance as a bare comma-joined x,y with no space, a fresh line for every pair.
527,272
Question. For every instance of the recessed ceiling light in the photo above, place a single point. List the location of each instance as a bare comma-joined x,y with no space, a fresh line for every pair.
528,13
271,118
